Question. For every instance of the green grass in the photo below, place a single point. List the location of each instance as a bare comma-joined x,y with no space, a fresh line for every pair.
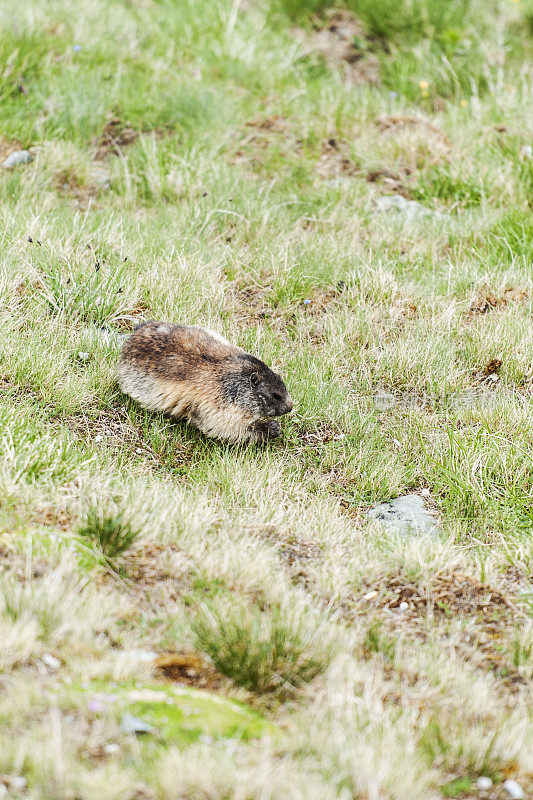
276,651
109,532
244,157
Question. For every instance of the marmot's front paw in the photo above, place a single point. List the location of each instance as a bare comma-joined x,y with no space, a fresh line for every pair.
267,430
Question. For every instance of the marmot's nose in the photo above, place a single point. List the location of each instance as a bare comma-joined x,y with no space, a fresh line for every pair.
288,406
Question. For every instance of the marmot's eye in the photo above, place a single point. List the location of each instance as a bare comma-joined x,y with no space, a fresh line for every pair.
255,379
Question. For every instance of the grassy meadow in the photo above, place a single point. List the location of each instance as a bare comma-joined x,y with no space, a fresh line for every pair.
219,163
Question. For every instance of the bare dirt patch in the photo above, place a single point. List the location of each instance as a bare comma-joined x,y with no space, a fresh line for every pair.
489,374
393,181
490,614
115,136
398,121
321,300
274,123
493,300
294,552
190,669
52,517
261,132
415,142
492,367
318,433
67,185
114,428
17,564
335,160
251,306
449,594
341,41
8,146
158,576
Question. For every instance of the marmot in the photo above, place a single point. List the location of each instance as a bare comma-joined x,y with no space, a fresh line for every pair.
196,375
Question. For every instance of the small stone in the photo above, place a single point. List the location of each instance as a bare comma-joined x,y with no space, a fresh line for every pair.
130,724
494,378
51,661
384,400
409,209
370,595
17,158
483,783
17,782
101,178
307,301
404,606
405,515
11,783
98,437
514,789
339,182
112,748
526,152
83,356
146,656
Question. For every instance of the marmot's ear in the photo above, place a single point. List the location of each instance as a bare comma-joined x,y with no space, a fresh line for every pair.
255,378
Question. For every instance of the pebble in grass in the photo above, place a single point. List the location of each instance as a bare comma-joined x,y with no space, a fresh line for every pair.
11,783
17,158
409,209
130,724
101,179
513,789
406,515
51,661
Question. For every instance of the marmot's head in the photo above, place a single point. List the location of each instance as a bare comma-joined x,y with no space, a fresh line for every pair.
257,389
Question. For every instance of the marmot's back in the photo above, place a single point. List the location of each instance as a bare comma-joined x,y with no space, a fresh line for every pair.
176,352
197,375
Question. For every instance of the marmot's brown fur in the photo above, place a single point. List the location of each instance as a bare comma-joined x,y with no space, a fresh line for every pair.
195,375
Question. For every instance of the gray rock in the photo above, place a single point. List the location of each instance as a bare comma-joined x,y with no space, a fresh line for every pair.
514,789
409,209
484,783
384,400
17,158
336,183
406,515
131,724
145,656
51,661
11,783
101,178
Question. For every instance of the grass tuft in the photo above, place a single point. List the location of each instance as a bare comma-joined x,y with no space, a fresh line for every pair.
272,651
112,534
